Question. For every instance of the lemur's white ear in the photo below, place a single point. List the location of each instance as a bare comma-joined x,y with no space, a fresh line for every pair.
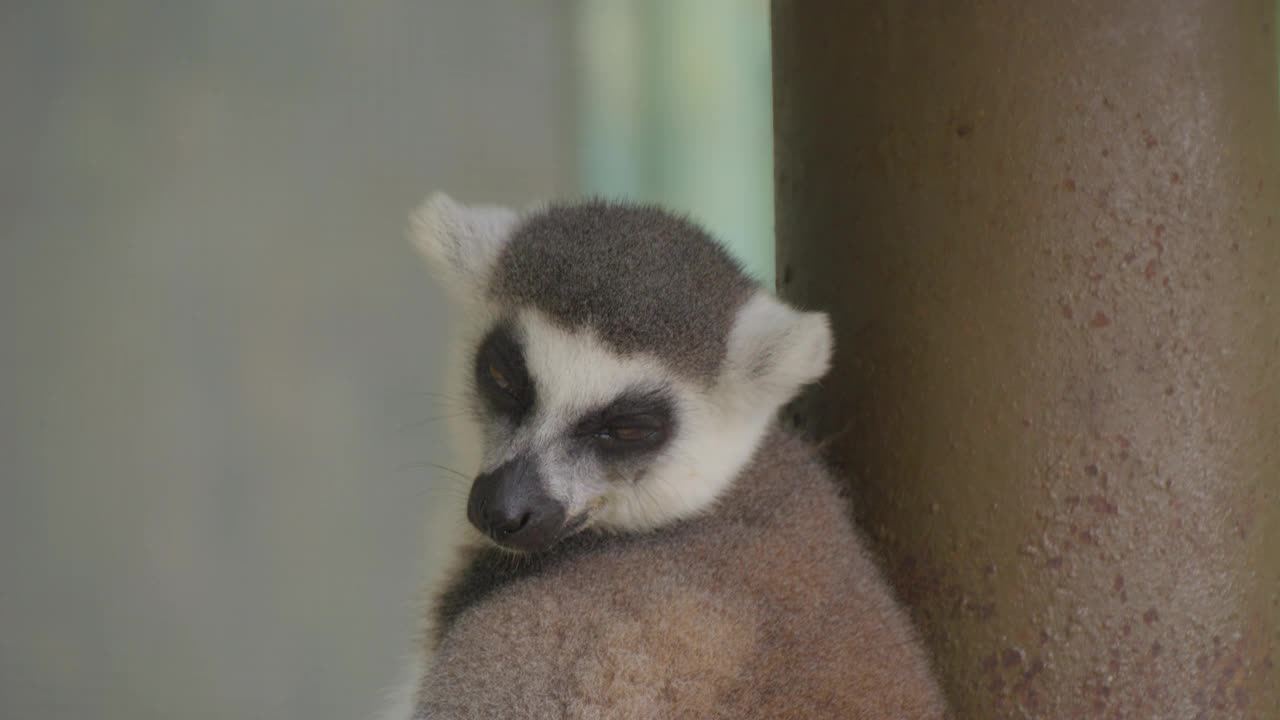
774,349
461,242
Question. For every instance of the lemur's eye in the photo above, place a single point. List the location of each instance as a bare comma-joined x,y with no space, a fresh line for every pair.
637,433
500,379
637,422
627,433
500,373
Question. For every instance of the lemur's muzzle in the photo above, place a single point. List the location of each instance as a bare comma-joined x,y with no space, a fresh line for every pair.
511,505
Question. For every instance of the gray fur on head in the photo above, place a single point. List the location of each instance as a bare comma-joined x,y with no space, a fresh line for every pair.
643,279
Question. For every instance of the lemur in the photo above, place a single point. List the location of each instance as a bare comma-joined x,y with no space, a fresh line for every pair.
650,542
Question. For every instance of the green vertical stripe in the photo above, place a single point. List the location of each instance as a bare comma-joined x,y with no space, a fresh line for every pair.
675,108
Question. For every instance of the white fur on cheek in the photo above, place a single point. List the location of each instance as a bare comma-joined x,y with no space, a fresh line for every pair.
710,449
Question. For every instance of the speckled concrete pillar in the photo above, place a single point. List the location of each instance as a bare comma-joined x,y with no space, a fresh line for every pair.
1049,236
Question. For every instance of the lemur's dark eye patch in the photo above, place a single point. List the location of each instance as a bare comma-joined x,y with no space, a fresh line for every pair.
635,422
500,373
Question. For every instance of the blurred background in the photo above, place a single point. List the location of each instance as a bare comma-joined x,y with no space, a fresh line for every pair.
218,354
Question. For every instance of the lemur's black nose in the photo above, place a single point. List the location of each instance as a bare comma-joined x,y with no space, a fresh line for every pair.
504,522
510,504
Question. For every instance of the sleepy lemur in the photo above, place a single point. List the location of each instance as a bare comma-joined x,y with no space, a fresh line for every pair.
651,544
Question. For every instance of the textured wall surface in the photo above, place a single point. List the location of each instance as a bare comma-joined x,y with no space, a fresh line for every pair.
1049,235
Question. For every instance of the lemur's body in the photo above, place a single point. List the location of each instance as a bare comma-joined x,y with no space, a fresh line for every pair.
680,555
765,607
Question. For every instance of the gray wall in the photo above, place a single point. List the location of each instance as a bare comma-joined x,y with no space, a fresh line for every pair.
215,343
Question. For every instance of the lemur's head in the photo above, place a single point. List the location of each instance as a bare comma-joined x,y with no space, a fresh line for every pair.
623,367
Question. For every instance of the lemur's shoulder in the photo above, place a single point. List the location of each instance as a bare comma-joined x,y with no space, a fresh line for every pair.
597,638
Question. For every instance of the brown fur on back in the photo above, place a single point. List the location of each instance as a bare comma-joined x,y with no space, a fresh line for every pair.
769,606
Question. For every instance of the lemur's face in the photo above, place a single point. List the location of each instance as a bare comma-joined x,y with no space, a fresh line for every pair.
573,434
621,368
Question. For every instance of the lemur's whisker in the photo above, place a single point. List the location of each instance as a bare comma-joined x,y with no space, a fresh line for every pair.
437,466
417,424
